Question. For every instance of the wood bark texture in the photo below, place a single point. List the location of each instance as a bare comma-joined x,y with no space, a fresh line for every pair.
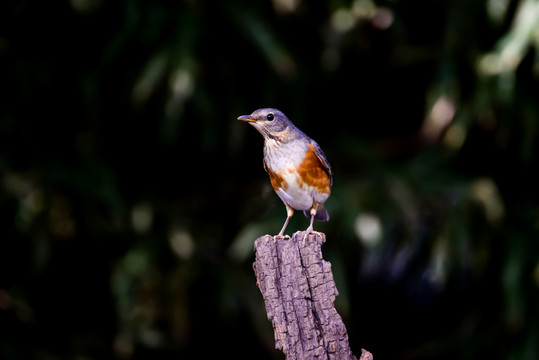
298,289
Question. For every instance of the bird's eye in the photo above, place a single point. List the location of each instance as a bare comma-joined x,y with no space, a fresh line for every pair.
270,117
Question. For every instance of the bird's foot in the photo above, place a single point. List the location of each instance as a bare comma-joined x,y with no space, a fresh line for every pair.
306,235
280,237
308,232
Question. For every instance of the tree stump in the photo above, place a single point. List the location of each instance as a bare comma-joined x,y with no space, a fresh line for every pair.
298,289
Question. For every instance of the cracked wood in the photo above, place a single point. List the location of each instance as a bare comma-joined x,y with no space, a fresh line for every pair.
299,291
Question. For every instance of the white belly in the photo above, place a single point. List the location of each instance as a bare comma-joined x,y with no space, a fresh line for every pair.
299,196
295,195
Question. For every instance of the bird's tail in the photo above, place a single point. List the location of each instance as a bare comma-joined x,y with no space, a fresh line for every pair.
321,213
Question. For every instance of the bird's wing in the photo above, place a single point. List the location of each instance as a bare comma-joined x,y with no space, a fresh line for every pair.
322,157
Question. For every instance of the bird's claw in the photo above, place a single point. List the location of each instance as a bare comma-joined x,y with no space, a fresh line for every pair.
305,236
307,233
281,237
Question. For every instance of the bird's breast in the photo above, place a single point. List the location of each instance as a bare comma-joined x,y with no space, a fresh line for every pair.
284,157
294,167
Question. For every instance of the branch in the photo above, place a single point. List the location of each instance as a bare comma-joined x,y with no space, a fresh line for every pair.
299,291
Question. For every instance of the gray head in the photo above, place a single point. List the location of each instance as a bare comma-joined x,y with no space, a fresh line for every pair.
272,124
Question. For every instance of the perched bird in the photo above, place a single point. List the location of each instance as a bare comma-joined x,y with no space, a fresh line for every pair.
299,172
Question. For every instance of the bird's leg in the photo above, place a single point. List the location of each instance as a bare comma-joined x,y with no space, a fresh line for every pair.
310,228
289,213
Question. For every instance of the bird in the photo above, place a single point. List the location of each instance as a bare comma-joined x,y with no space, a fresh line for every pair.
298,169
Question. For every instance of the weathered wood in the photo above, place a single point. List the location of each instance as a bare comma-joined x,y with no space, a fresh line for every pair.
298,289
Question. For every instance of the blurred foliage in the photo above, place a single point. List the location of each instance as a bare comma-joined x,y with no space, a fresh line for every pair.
130,196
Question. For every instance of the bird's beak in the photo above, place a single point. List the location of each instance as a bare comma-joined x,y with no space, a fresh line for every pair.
246,118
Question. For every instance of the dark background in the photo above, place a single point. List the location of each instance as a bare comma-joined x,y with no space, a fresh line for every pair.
130,197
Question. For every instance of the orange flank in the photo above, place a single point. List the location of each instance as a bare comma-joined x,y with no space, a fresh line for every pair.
313,173
277,179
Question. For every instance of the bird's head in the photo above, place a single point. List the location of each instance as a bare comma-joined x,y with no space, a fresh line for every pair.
271,123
